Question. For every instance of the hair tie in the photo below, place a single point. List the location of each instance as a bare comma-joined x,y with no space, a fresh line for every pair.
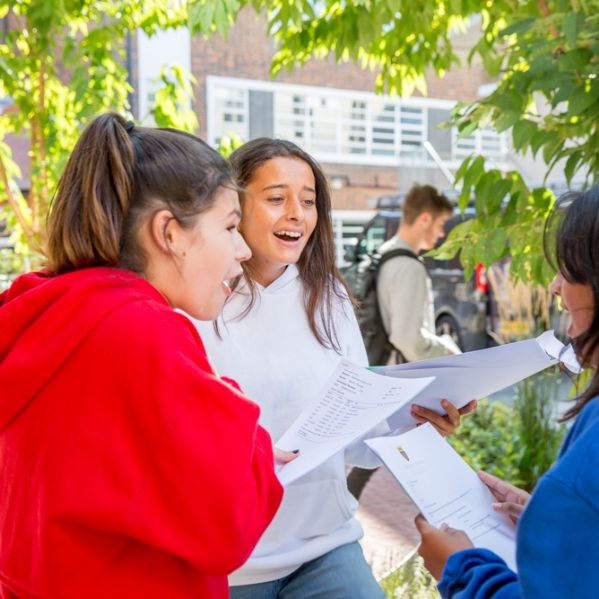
129,126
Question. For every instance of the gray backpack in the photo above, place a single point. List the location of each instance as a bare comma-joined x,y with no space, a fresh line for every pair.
361,277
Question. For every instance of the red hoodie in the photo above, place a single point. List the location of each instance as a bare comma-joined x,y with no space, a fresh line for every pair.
128,467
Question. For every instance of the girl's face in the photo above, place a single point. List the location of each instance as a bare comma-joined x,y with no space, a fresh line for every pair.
279,215
208,256
577,299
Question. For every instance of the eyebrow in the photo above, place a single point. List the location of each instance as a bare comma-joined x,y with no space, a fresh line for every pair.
234,212
283,186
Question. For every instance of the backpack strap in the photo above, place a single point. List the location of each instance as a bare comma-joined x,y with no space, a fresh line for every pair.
380,259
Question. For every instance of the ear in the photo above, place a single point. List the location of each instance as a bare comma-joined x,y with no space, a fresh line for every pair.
425,219
164,231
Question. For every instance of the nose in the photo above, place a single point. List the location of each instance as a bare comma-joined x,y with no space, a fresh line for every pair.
242,249
295,210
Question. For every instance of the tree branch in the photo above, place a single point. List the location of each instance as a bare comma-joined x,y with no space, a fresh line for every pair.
544,10
27,229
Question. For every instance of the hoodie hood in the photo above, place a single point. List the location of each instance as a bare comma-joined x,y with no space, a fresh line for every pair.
44,319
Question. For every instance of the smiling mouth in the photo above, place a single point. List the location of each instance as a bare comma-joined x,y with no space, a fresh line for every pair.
288,235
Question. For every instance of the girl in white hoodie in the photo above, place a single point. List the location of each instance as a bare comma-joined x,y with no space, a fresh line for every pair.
281,334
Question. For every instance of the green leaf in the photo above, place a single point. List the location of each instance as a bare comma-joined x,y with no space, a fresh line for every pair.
507,120
201,16
495,245
471,177
522,133
582,99
575,59
572,165
484,190
518,28
221,19
462,169
539,139
551,148
573,23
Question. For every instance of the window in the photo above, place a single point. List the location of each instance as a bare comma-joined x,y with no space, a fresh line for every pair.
230,113
490,144
163,49
344,126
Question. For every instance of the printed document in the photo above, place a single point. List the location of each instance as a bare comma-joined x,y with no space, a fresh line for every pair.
477,374
446,489
353,401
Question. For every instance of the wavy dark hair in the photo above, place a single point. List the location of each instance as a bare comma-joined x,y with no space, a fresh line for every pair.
572,247
322,282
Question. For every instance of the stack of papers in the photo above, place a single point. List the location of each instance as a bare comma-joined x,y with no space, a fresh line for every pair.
356,399
353,402
477,374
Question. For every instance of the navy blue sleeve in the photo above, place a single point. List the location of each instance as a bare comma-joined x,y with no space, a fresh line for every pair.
478,574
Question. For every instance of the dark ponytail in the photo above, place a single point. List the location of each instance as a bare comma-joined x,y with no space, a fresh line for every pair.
93,197
119,175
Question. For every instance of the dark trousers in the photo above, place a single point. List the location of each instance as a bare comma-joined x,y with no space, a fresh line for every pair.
357,479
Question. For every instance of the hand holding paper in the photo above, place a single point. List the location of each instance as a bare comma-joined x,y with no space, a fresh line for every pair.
353,402
477,374
437,544
445,488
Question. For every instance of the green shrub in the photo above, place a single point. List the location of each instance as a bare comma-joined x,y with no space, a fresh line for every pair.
411,580
518,443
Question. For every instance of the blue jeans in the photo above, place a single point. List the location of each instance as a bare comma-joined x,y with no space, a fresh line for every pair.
339,574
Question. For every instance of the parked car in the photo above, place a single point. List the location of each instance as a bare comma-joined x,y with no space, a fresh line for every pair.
461,307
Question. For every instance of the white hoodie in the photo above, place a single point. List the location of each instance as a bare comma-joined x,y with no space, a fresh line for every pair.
274,356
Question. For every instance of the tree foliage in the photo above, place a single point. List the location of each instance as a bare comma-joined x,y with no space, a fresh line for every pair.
543,54
60,64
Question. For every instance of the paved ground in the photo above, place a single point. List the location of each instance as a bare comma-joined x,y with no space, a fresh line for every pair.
387,515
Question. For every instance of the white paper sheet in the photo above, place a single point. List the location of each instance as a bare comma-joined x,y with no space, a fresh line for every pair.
476,374
446,489
353,401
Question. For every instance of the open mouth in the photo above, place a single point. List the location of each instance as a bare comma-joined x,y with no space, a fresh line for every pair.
230,284
288,235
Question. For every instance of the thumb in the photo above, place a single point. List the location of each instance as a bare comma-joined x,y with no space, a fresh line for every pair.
423,525
284,457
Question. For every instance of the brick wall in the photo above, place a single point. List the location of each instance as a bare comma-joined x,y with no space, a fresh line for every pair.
247,53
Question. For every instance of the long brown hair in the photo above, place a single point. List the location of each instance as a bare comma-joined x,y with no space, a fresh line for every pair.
323,285
116,177
576,250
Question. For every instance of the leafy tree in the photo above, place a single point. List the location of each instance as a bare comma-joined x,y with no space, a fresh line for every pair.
543,53
60,64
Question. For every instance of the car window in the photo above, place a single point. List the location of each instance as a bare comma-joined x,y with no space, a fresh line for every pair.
374,234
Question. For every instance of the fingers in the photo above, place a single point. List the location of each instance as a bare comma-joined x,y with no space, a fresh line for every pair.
498,488
284,457
503,490
423,525
446,424
508,507
453,414
468,408
512,510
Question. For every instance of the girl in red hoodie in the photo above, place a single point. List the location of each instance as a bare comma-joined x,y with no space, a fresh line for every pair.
128,467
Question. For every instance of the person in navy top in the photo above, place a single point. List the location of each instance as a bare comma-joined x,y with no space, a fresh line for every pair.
558,525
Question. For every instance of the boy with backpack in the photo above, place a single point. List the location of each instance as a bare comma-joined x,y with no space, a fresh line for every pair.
397,313
404,289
